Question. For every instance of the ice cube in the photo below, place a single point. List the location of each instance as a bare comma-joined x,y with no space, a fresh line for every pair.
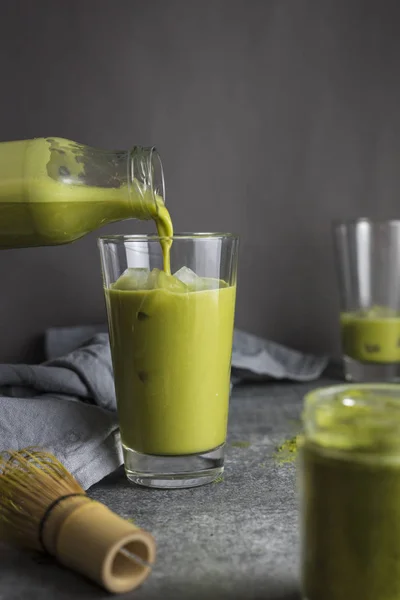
211,283
133,279
193,281
160,280
196,283
187,276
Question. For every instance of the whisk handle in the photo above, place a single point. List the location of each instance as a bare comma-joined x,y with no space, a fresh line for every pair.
101,545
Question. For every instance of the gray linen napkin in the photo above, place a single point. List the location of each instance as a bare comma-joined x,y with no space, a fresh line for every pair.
67,404
254,358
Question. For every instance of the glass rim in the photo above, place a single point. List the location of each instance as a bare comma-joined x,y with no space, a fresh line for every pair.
175,237
338,432
340,222
322,393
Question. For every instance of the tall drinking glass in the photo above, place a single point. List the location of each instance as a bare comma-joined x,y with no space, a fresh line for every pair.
368,266
171,344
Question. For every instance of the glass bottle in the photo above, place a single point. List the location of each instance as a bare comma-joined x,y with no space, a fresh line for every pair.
54,191
350,493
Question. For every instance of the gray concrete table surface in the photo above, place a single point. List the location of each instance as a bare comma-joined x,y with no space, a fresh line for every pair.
237,539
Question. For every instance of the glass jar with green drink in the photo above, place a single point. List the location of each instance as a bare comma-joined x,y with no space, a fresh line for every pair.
350,493
54,191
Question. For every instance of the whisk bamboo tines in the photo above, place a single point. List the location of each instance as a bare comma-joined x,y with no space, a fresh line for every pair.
43,507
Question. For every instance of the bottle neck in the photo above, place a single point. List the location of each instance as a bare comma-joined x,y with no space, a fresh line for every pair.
145,179
135,177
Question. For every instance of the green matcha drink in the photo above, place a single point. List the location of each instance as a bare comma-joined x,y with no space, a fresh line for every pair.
350,479
371,335
171,346
368,271
53,191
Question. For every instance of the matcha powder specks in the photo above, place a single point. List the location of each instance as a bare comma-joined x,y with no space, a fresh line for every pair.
287,451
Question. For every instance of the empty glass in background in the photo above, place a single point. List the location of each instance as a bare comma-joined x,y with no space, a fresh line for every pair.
171,345
368,266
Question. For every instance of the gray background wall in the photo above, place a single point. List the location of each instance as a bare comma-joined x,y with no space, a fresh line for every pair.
272,118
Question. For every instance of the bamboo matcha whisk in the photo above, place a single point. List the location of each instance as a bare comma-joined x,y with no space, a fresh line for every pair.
43,507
